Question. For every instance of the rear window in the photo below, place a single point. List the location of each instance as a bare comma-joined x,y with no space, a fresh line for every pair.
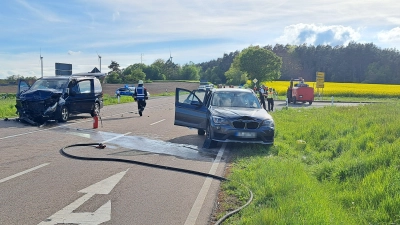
97,86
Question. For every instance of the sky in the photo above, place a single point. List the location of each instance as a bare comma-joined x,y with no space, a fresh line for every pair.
79,32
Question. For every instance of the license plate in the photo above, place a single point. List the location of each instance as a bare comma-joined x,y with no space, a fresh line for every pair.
246,134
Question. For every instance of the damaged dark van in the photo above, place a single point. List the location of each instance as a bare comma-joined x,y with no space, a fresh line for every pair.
58,97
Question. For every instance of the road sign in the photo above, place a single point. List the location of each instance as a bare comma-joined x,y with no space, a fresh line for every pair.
101,215
63,69
320,79
255,80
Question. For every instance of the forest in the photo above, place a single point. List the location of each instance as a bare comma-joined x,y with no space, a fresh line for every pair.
353,63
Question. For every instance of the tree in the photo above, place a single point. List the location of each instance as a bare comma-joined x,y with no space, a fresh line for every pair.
153,73
114,67
113,78
234,75
190,72
134,76
260,63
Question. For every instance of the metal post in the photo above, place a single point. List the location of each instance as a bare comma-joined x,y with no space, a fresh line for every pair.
332,101
287,103
41,65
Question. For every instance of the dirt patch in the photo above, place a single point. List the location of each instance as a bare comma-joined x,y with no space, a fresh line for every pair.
152,88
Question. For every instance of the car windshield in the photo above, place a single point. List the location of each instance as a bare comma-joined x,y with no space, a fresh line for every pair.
57,84
235,99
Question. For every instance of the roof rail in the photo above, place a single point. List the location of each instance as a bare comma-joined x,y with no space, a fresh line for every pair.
98,75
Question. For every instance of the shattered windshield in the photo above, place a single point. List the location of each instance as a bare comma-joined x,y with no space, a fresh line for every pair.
235,99
44,84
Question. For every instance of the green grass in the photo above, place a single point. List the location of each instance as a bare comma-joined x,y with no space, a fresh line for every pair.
332,165
7,107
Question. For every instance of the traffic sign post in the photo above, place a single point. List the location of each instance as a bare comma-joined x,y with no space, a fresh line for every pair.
320,79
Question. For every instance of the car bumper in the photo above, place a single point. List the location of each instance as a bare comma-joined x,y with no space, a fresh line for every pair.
227,133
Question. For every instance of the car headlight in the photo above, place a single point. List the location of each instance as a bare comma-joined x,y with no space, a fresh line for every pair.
219,120
268,123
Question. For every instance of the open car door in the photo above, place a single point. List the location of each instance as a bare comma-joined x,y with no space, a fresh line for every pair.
190,111
22,86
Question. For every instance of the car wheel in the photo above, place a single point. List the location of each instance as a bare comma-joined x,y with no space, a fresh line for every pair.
96,109
310,102
64,114
201,132
294,100
209,143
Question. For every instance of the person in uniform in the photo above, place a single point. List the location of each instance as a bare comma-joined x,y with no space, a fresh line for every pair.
270,99
140,97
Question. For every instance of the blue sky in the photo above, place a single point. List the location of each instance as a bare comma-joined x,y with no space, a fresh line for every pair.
133,31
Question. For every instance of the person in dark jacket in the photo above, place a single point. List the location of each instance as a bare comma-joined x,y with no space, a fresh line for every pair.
140,97
262,91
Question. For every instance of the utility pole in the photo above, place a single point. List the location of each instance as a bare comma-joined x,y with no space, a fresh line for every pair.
100,63
41,63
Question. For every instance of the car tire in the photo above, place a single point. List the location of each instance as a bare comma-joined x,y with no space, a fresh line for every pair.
310,102
201,132
96,108
64,114
294,100
209,138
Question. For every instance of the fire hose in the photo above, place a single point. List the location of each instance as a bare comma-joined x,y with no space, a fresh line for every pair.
102,146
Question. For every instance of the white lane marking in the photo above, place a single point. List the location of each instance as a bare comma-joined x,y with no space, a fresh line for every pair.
36,131
84,121
101,215
194,212
23,172
157,122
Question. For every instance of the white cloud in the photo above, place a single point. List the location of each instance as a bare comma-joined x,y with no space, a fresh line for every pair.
392,35
313,34
74,53
40,11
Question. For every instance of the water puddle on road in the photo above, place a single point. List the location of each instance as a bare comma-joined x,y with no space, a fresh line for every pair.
135,145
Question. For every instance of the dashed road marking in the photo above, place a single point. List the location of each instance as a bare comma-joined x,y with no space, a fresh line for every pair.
157,122
23,172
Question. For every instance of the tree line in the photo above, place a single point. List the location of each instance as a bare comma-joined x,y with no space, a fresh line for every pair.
353,63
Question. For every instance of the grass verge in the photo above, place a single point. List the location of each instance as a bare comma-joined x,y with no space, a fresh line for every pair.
332,165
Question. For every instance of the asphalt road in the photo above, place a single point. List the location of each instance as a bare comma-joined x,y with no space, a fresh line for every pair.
40,186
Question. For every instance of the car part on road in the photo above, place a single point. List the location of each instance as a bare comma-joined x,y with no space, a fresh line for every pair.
194,172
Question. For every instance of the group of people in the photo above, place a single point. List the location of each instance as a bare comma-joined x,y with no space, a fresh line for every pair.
268,93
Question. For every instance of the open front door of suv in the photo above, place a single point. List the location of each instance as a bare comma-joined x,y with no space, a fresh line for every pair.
190,111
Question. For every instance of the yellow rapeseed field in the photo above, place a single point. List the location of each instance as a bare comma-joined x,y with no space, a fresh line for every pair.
343,89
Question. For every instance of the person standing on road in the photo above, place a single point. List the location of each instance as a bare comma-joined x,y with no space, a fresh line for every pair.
261,91
140,97
270,99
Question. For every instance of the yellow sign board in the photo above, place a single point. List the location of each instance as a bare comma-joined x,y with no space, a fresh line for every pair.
320,79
